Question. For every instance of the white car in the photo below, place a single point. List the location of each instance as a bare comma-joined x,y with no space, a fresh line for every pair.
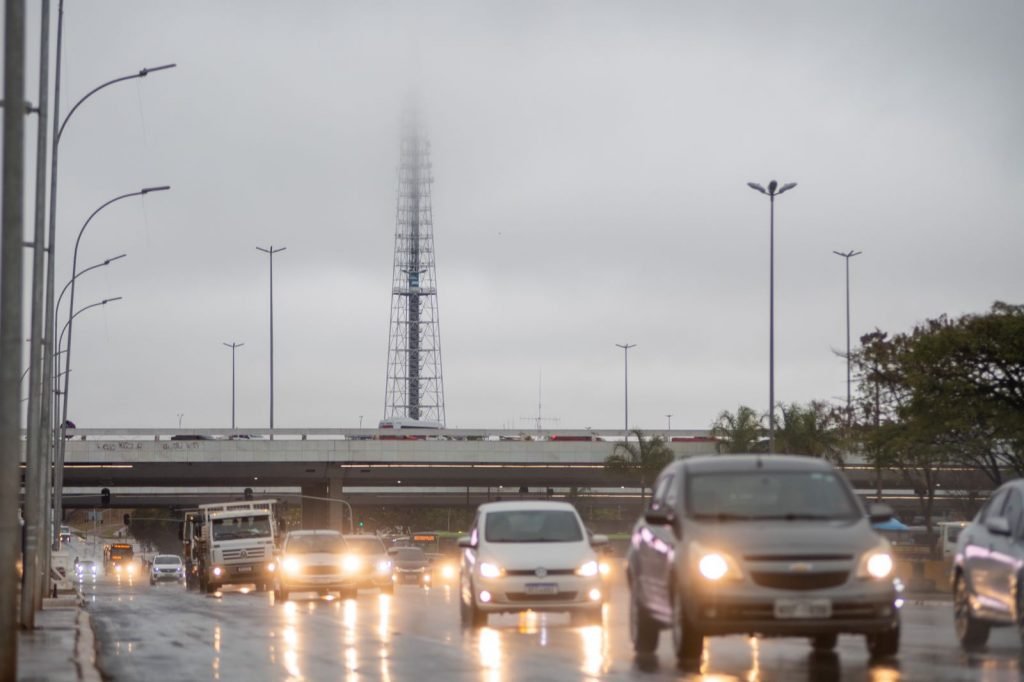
166,567
532,555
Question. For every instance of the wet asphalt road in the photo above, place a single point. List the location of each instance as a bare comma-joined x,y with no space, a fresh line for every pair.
167,633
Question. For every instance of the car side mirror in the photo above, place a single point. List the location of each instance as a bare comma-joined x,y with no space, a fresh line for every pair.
879,513
598,540
466,541
660,517
998,525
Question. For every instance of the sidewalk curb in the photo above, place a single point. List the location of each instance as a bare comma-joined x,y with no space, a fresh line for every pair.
85,650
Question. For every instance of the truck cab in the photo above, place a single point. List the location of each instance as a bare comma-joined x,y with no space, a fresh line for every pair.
230,543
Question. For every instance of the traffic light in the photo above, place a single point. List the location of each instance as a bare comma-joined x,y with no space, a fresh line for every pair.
360,524
127,519
105,497
248,493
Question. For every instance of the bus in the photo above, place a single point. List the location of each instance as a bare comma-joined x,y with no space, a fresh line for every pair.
118,556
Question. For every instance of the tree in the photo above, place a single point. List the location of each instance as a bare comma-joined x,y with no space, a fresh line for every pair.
814,430
645,458
740,432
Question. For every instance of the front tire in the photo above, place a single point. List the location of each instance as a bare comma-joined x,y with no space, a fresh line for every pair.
884,644
643,629
686,639
472,616
824,643
971,632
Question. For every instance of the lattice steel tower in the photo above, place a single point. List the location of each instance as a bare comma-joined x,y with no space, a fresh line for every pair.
415,388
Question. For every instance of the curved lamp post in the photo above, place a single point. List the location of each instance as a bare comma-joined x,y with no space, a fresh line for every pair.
773,191
58,468
849,401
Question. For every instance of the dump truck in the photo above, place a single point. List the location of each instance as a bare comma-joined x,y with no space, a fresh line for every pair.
230,543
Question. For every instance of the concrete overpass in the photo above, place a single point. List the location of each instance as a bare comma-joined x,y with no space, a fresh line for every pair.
430,467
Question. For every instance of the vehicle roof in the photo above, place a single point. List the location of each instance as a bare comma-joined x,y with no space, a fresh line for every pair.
754,462
164,556
363,537
526,505
293,533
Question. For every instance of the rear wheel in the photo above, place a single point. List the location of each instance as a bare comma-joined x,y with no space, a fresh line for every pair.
643,629
687,640
969,630
824,642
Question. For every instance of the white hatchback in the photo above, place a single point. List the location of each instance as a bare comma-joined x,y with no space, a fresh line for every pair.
533,555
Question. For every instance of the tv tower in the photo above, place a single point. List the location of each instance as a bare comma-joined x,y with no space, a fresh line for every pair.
414,388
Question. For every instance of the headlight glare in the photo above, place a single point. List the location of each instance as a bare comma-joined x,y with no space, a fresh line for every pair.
588,570
877,564
488,570
714,565
350,563
383,566
290,564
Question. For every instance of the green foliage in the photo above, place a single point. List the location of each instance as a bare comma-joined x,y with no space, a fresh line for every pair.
646,458
814,430
950,391
740,432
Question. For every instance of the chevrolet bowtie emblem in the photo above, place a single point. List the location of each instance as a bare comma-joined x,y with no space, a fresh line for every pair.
800,567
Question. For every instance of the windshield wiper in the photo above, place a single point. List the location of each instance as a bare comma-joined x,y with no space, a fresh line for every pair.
800,517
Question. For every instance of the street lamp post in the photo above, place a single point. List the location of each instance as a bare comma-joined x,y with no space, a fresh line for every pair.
233,346
58,474
773,191
849,401
270,252
669,417
625,352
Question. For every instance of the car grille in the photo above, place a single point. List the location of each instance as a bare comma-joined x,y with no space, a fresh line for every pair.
798,557
167,570
321,570
799,581
765,612
526,596
250,553
550,571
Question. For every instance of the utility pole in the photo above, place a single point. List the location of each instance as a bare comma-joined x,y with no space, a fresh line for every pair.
625,351
270,252
233,346
849,401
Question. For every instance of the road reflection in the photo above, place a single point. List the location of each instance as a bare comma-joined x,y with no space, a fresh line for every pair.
489,652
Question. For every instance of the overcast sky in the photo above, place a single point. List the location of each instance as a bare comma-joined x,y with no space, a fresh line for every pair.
590,164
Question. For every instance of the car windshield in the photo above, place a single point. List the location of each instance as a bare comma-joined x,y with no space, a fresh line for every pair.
769,495
314,544
410,554
241,527
85,564
365,545
166,560
532,525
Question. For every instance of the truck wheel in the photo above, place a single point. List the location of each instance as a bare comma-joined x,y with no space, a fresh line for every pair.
824,643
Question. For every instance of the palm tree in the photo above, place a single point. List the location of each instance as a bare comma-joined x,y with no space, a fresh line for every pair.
814,430
647,457
740,432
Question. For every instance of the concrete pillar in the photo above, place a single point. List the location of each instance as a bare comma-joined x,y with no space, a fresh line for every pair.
315,507
339,511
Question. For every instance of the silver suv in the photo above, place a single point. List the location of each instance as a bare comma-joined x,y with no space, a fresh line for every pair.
770,544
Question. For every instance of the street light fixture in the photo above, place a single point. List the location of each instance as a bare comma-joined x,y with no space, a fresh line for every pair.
773,191
625,352
233,346
58,470
270,252
849,401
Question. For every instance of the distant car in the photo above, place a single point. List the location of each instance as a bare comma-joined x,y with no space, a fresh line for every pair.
316,561
374,565
988,590
771,544
191,436
443,568
532,555
411,565
85,570
166,567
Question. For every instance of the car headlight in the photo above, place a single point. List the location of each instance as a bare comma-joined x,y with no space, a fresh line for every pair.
714,564
605,568
351,563
218,571
488,570
588,570
290,565
383,566
447,571
876,564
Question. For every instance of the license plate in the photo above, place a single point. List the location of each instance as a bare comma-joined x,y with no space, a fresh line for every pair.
803,608
541,588
245,569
